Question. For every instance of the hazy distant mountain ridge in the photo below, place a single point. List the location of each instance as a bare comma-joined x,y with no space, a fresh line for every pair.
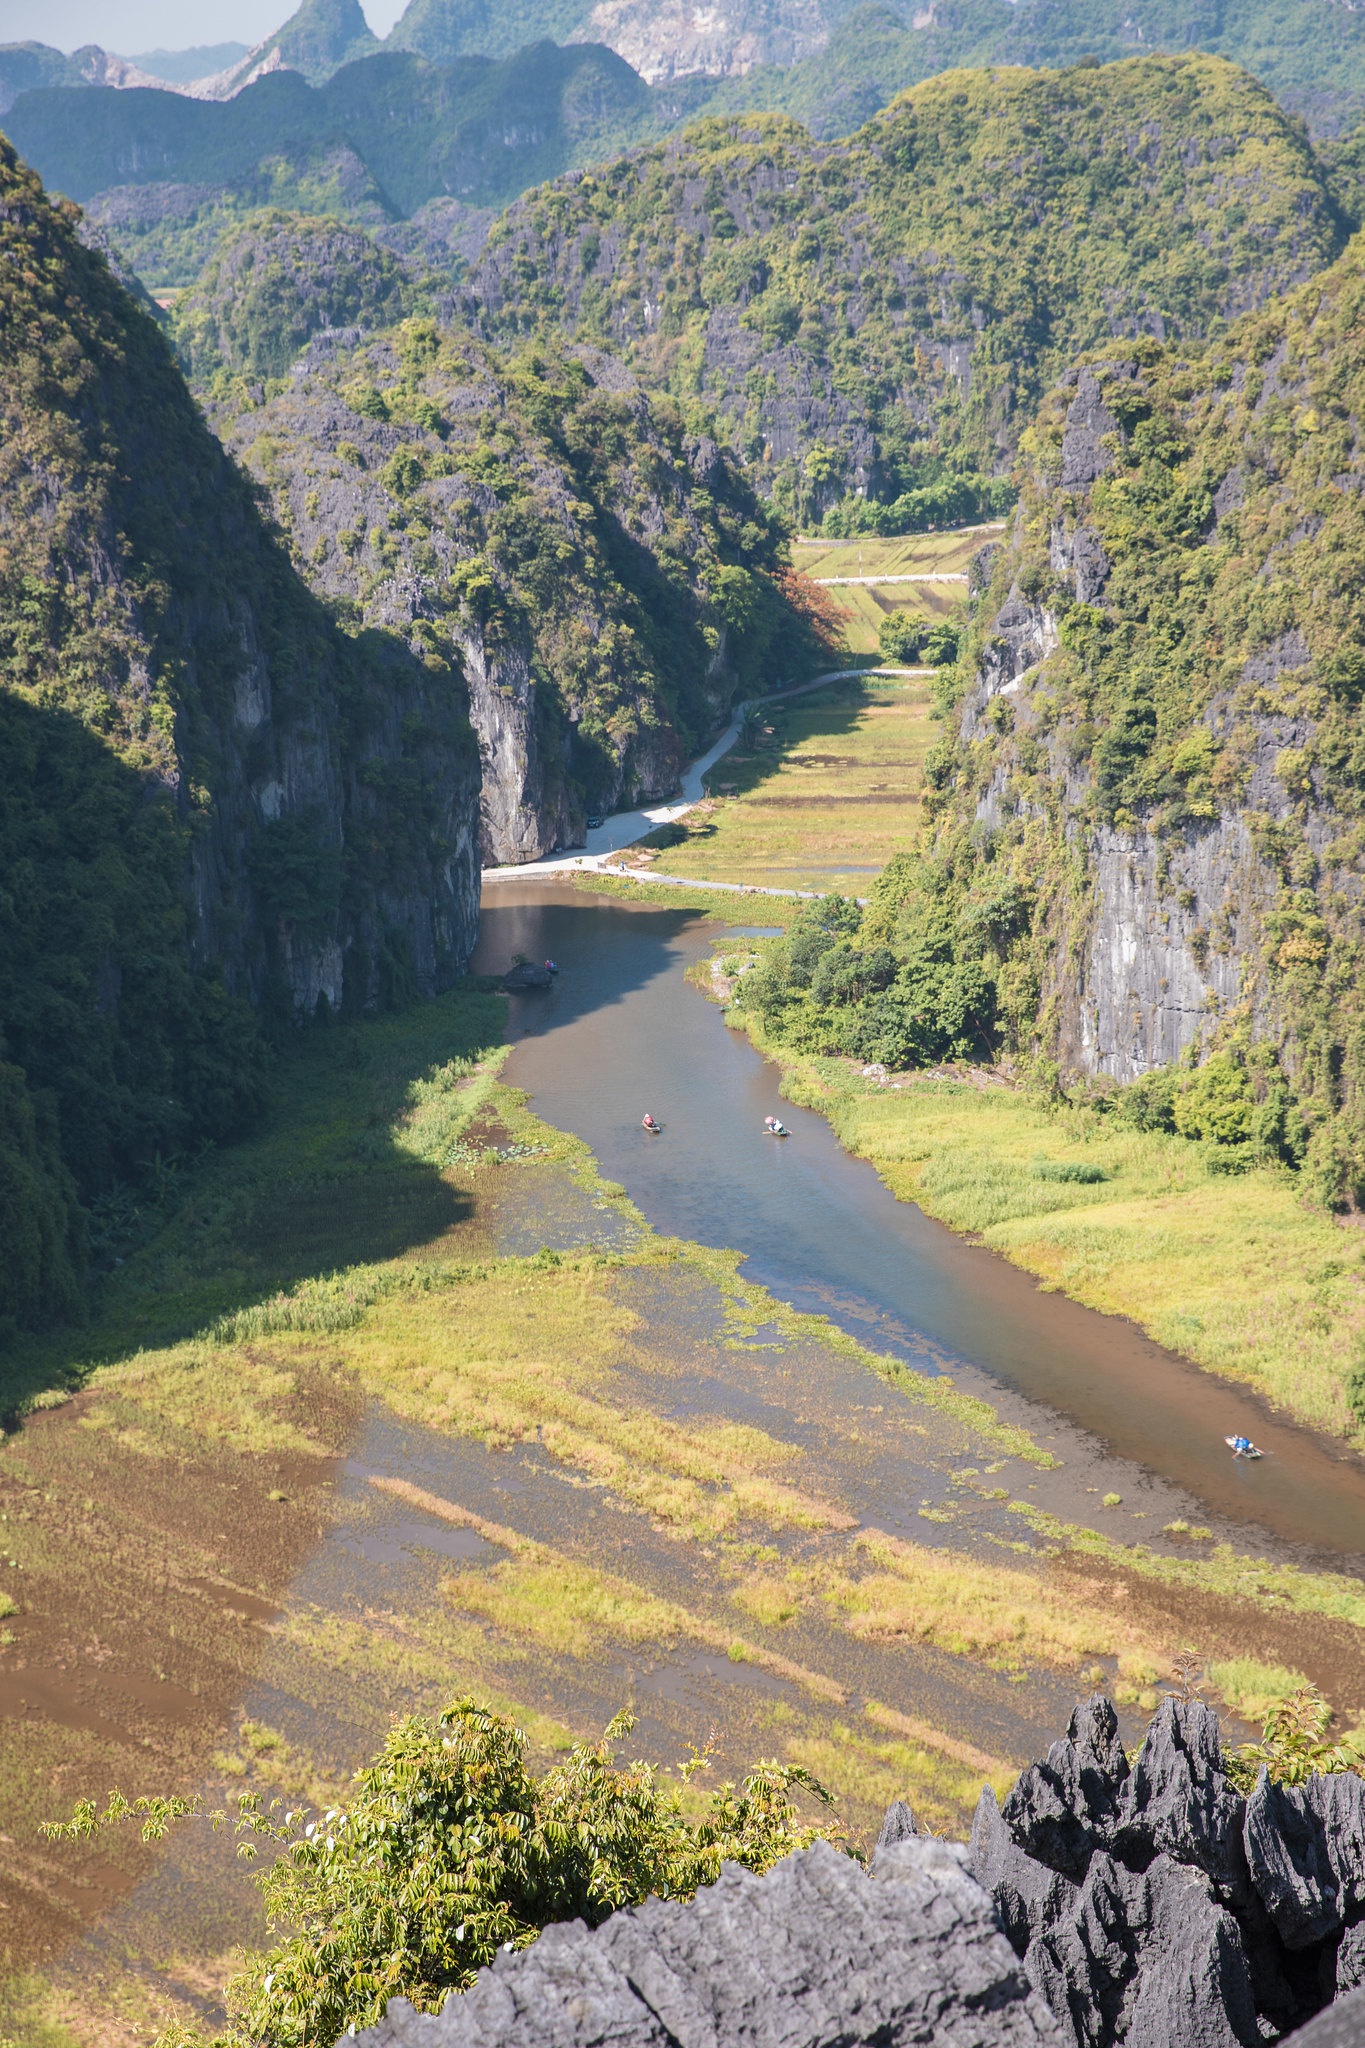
315,42
831,62
475,130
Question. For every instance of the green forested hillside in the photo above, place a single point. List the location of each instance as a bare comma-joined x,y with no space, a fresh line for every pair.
1149,801
853,311
606,577
276,282
214,806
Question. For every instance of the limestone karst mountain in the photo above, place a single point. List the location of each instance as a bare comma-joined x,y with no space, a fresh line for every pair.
604,576
1149,802
846,308
220,811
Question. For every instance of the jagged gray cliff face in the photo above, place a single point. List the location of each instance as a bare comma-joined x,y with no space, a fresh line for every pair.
1158,1906
1154,798
1160,947
325,783
598,578
1152,1907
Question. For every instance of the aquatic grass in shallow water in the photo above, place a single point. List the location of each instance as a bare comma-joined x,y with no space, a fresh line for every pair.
1252,1688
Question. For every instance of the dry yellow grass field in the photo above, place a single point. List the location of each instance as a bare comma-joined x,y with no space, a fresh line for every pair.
943,555
827,792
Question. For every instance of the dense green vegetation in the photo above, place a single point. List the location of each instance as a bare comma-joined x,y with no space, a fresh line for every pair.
1216,675
276,282
121,1050
826,301
167,234
160,661
539,516
947,499
452,1849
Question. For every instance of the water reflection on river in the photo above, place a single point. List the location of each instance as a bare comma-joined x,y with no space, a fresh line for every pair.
620,1033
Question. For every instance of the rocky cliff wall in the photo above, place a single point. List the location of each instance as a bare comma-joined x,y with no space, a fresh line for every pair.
601,579
1160,740
1153,1906
218,799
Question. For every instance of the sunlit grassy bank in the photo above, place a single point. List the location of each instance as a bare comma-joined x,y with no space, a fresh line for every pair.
608,1472
1235,1271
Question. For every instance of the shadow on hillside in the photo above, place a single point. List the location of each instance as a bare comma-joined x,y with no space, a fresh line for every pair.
328,1182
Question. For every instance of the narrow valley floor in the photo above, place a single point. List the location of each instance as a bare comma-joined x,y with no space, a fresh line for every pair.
400,1400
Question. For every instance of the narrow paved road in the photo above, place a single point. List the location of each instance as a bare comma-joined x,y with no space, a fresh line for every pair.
623,828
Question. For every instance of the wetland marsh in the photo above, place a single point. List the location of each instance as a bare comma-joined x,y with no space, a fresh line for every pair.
406,1398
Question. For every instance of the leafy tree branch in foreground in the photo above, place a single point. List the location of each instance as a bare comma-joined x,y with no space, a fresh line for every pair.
453,1849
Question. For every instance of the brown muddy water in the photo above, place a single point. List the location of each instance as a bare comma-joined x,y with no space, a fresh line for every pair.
620,1032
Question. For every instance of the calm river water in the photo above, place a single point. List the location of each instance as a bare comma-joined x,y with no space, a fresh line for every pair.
620,1033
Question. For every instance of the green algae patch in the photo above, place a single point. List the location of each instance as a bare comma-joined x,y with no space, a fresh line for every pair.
1221,1571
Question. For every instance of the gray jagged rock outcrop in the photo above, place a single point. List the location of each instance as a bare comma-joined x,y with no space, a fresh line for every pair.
1157,1908
816,1953
1102,1907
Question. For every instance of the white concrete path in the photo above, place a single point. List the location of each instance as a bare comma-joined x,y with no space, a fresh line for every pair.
621,830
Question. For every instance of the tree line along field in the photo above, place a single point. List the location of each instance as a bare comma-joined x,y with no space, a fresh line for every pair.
861,577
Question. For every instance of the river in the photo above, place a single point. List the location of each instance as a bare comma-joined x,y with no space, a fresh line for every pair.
621,1032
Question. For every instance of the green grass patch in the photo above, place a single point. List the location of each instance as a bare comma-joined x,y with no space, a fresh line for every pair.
1237,1273
821,793
1251,1688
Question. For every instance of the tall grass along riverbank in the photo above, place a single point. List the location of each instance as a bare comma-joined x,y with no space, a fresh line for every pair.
401,1398
1236,1272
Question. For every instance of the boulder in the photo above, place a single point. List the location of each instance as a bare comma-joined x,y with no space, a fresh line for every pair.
1305,1850
1099,1908
1148,1958
526,975
1286,1852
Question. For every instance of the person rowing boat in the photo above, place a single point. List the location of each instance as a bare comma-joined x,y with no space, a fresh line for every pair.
775,1129
1242,1447
649,1122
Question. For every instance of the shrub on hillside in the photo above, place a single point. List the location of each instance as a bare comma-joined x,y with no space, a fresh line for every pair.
453,1849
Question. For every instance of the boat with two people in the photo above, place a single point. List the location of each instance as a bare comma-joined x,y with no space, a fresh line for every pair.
1242,1447
775,1128
650,1123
